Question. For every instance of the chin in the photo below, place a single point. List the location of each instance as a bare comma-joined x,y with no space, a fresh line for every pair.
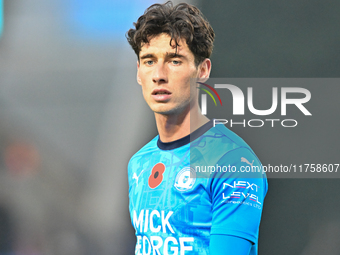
167,110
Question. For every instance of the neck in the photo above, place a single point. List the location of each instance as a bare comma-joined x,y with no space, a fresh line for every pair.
173,127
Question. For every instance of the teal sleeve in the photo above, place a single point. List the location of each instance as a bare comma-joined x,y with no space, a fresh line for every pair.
237,197
226,244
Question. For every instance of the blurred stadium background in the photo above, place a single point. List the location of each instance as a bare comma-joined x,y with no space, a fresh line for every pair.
72,114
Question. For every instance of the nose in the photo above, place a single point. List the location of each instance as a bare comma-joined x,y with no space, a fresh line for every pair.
159,73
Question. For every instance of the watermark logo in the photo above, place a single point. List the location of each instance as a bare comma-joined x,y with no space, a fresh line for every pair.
238,99
204,97
279,100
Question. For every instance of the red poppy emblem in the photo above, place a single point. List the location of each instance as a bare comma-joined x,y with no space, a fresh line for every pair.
156,176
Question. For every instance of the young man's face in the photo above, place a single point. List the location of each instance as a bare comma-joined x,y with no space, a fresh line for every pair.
165,75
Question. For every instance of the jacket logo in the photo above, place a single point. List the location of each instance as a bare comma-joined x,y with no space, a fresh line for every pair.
246,161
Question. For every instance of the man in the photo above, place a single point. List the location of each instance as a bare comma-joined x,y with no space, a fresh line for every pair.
172,211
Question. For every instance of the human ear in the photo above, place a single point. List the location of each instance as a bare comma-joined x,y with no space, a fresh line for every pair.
138,78
204,70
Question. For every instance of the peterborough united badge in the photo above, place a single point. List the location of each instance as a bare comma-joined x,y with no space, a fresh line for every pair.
185,179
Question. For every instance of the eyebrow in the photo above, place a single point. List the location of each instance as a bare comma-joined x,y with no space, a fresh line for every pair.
147,56
168,55
174,55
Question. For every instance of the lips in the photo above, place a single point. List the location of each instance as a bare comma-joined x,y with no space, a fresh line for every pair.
161,95
161,92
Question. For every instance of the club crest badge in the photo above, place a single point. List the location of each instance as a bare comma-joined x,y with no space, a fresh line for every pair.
185,179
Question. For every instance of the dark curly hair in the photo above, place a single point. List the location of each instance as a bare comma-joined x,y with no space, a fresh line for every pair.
180,21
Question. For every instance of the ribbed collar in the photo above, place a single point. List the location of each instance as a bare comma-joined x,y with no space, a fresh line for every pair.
186,139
